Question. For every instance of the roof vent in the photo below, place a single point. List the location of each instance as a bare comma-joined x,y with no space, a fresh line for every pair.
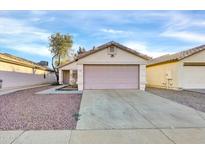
112,51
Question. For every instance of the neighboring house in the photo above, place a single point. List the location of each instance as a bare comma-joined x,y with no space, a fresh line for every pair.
15,71
183,70
109,66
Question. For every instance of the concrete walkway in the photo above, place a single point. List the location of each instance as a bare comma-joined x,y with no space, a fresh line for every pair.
55,90
125,136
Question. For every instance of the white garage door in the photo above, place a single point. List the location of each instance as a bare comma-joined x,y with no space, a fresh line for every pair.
111,76
194,77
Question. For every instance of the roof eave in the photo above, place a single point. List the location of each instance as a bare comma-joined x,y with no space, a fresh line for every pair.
22,64
164,62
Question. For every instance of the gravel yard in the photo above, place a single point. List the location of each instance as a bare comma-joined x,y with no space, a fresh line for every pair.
191,99
25,110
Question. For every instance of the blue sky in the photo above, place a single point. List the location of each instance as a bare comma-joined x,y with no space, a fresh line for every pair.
25,33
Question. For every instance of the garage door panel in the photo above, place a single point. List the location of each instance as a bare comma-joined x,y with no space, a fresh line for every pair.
111,76
193,77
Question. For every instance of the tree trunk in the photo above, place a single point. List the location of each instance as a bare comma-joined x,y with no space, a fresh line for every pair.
55,69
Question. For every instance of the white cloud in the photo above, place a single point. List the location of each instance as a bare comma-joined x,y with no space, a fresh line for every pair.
112,31
142,48
38,12
175,20
9,26
35,19
21,36
33,49
185,35
180,26
30,48
180,21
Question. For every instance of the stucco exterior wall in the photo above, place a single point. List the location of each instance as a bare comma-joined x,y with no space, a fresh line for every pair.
72,66
184,77
16,79
102,57
158,75
60,76
142,77
18,68
121,57
37,71
80,77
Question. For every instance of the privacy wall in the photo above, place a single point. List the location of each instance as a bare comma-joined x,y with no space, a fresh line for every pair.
15,79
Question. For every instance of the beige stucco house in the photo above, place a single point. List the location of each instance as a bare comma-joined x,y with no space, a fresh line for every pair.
109,66
13,63
17,72
183,70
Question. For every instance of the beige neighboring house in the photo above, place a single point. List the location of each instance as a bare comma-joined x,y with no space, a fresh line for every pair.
16,72
16,64
109,66
183,70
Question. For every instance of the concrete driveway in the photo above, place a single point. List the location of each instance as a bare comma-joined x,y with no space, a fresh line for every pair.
120,109
132,116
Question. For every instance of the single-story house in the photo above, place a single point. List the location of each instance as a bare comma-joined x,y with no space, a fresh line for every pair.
13,63
16,72
109,66
183,70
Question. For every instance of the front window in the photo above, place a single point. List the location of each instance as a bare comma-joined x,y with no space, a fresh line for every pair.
74,74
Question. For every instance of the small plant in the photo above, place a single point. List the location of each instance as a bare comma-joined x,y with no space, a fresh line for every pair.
76,116
73,83
55,84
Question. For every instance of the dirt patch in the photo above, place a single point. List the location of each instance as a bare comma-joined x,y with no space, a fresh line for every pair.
26,110
191,99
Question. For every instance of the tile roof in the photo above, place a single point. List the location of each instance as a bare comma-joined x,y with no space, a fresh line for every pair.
177,56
